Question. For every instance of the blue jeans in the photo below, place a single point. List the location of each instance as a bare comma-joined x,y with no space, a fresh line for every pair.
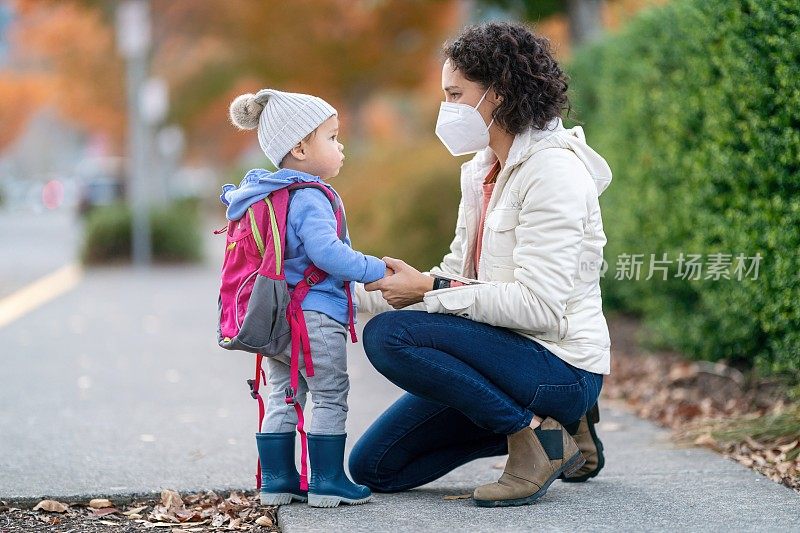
469,385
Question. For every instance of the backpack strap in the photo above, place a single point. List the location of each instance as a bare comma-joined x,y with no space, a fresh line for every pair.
268,213
277,206
338,212
300,342
275,236
254,384
254,227
341,230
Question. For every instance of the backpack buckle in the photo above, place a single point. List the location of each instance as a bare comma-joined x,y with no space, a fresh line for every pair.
289,396
312,279
251,384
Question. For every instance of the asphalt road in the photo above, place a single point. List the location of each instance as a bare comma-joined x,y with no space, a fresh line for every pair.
35,244
118,387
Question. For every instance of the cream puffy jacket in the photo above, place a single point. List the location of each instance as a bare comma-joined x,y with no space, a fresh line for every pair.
542,249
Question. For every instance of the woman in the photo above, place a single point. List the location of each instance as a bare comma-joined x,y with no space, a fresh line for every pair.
512,360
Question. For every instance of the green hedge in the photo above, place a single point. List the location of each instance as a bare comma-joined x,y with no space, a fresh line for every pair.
696,106
175,234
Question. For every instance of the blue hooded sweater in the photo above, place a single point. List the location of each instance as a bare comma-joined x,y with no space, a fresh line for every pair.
310,238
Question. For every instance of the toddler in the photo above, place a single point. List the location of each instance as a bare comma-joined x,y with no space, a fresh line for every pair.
299,134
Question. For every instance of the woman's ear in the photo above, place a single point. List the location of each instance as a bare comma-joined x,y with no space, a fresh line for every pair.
496,98
298,151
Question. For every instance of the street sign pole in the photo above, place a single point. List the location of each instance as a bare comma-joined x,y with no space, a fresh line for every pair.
133,39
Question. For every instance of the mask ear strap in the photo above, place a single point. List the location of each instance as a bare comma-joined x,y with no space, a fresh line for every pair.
482,98
479,104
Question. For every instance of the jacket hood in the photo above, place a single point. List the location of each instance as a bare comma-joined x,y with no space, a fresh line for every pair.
554,134
598,168
256,185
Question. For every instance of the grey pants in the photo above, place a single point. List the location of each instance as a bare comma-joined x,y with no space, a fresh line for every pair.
329,385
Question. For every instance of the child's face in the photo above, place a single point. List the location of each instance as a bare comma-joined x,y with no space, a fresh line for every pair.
325,154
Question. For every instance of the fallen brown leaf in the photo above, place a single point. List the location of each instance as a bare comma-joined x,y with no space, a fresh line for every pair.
105,511
458,497
754,445
186,516
51,506
161,517
705,440
100,503
236,499
171,499
264,521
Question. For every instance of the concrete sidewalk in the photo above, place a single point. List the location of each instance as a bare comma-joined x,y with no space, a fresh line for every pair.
648,484
118,388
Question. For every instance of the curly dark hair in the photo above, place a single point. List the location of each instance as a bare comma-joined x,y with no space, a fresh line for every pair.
519,66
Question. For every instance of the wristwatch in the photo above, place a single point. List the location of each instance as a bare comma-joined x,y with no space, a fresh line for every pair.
440,283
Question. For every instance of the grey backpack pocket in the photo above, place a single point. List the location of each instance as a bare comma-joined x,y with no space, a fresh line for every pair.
265,328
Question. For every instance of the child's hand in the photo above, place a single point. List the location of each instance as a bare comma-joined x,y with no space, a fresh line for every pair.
404,287
389,272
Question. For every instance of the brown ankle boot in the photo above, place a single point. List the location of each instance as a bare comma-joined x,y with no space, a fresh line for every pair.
590,446
536,457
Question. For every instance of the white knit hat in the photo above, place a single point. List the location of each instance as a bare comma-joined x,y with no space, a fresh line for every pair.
283,119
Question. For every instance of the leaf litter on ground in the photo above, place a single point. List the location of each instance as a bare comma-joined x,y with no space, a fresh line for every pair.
740,415
206,511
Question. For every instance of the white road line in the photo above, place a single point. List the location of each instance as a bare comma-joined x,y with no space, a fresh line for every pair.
38,293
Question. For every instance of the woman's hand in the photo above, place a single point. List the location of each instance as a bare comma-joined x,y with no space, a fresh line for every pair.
405,287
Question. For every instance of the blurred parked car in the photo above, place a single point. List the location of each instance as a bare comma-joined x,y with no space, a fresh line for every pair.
99,191
101,183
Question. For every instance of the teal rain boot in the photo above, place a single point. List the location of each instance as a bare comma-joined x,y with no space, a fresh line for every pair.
280,481
329,485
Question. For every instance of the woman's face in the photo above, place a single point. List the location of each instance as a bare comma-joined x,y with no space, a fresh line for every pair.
459,90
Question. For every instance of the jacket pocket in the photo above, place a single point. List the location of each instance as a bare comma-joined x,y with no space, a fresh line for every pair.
565,403
499,234
455,299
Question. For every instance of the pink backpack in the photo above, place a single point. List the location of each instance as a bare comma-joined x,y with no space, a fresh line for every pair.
258,313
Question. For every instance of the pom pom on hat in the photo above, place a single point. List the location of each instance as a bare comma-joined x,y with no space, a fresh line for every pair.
245,112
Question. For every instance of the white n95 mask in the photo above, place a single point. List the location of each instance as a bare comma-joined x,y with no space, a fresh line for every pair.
461,128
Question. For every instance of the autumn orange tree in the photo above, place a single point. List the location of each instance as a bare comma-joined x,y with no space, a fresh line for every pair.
19,93
62,55
343,50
